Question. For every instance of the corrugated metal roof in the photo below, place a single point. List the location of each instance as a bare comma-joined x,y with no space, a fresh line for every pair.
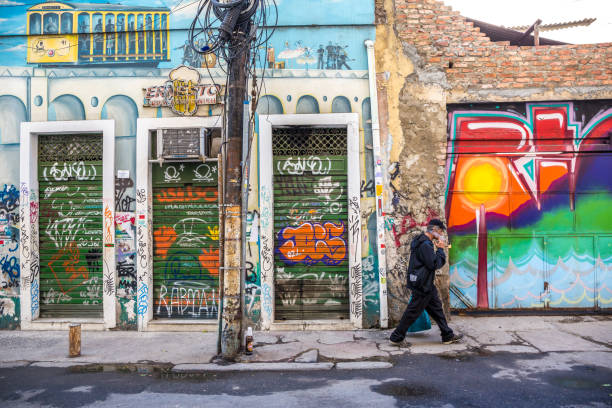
558,26
499,33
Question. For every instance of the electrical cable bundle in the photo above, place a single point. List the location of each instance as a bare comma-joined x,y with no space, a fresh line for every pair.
218,24
227,28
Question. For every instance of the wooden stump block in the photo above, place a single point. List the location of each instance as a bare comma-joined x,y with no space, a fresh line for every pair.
74,340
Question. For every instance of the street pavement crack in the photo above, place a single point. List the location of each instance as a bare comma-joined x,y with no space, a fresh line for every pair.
526,342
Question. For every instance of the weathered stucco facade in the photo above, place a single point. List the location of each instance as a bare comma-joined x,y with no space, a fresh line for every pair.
429,57
151,261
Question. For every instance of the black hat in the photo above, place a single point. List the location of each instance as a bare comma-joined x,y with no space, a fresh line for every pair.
436,223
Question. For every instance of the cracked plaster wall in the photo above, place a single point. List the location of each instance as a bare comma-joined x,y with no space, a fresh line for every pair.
413,137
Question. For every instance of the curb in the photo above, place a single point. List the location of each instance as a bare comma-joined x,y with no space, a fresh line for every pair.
58,364
14,364
202,368
363,365
191,368
354,365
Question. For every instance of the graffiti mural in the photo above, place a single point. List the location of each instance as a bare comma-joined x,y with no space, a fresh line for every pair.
328,56
125,244
311,224
528,197
155,34
116,45
10,269
186,240
124,202
311,243
71,222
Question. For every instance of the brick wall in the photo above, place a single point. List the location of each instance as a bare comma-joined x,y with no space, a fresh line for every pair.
470,59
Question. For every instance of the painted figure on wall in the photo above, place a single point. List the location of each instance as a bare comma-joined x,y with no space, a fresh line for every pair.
51,23
98,37
527,203
187,51
331,56
121,35
110,37
84,38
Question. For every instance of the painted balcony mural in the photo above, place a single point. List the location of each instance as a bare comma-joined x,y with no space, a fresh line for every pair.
154,33
528,200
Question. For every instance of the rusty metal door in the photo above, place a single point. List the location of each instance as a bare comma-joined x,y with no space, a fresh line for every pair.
70,186
310,223
185,241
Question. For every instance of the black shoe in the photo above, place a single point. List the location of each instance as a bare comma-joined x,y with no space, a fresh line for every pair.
401,343
454,339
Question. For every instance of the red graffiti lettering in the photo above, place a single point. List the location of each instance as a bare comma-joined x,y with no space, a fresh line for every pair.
408,223
184,194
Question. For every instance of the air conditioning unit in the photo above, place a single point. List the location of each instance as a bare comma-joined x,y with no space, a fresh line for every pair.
183,144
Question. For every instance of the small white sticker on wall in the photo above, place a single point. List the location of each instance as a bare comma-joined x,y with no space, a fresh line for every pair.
123,174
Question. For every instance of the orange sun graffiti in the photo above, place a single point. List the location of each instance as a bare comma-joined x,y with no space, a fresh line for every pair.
483,181
488,181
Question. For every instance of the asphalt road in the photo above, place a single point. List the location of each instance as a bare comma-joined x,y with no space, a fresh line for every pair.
500,380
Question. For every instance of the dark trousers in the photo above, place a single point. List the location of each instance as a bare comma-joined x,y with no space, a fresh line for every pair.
419,302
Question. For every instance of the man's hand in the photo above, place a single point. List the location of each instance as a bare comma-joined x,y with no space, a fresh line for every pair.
439,244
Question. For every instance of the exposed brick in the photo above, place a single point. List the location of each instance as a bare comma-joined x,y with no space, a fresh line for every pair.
442,35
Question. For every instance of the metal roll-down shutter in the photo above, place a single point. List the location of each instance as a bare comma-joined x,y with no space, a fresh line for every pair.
186,240
310,223
70,225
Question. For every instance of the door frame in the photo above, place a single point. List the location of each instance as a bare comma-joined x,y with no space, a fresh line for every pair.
266,207
28,212
144,223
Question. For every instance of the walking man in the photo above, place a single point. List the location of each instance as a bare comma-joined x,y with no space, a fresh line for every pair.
426,255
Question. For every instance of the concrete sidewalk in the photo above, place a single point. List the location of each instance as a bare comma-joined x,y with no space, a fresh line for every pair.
300,350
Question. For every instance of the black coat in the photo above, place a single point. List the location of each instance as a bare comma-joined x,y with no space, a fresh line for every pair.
424,261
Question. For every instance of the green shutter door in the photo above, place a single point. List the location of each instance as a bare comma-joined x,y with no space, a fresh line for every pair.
185,241
310,223
70,225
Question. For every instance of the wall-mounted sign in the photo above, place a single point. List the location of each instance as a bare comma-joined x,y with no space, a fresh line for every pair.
182,93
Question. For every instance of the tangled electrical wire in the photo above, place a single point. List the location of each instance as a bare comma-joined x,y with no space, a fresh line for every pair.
228,28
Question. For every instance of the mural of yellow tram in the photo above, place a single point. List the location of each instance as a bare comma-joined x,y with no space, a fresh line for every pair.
66,33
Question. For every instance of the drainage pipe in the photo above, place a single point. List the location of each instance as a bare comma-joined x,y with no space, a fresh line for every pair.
378,181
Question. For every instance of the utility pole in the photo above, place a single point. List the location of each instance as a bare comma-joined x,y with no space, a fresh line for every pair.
233,262
232,41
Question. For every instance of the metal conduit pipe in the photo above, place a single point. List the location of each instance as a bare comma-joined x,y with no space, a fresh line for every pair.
378,181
